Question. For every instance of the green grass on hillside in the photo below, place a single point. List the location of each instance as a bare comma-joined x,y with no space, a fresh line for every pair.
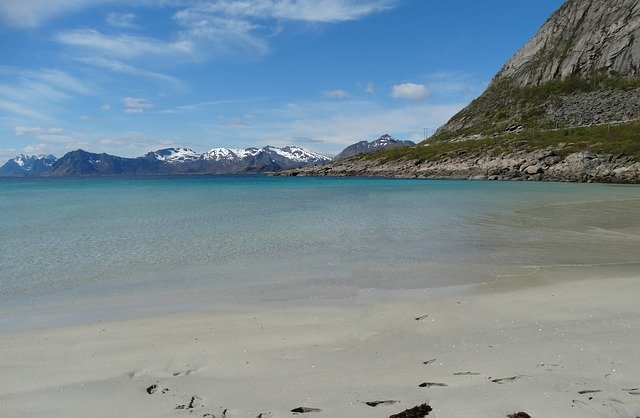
604,139
503,105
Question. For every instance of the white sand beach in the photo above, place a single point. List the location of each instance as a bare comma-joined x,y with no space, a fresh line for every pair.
557,349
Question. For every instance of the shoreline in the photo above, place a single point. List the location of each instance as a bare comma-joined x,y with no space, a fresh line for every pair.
497,350
547,164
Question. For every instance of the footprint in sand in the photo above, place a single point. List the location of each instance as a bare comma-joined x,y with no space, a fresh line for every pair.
136,373
432,384
381,403
185,372
305,410
504,380
551,367
586,392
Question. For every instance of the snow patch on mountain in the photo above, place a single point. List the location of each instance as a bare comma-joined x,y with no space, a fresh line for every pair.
176,155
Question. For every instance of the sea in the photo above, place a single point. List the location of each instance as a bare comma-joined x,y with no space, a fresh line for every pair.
93,249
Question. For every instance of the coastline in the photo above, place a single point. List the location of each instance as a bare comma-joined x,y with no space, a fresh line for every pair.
499,349
548,164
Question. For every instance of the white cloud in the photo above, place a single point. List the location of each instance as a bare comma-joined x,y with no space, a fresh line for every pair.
105,107
306,140
36,94
121,67
204,105
42,134
32,13
121,20
19,109
409,91
60,80
341,123
369,88
302,10
136,105
240,121
222,35
337,94
125,46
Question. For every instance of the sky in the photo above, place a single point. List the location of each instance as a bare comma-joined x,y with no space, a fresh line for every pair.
130,76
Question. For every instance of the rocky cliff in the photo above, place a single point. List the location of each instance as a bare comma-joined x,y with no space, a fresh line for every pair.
586,53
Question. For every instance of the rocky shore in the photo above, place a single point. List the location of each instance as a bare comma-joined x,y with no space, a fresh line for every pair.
548,164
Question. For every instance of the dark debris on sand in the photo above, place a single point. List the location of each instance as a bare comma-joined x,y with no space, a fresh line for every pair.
416,412
519,415
304,410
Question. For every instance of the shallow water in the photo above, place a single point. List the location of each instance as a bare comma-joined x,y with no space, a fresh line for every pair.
89,248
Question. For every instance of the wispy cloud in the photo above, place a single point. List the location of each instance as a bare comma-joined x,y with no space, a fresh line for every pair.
124,68
32,13
244,120
52,134
203,105
306,140
369,88
125,46
337,94
302,10
136,105
50,140
121,20
206,30
19,109
341,123
409,91
33,93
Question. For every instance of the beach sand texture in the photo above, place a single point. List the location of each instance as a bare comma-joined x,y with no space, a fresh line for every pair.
562,349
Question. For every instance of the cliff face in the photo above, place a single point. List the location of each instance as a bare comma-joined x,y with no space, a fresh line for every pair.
585,50
582,36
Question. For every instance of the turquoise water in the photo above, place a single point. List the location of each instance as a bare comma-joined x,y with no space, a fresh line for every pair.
91,247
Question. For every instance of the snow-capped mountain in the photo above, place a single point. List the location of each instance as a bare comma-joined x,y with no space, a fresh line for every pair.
364,147
27,165
230,160
166,161
175,155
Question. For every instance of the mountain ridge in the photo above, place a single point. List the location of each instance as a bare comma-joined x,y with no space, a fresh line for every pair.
166,161
366,147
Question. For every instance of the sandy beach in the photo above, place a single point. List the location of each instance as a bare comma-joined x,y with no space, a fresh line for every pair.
556,348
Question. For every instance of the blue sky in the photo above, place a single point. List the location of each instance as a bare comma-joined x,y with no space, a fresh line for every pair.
130,76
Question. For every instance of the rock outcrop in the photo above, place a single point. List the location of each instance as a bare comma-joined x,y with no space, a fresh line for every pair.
548,164
582,36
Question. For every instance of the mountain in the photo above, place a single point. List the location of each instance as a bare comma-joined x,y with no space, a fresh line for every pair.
27,165
364,147
565,107
163,162
581,68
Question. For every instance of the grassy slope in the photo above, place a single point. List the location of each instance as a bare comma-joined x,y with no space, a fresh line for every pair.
616,139
503,106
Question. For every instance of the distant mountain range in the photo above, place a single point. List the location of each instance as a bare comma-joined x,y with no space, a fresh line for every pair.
27,165
165,161
170,161
364,147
